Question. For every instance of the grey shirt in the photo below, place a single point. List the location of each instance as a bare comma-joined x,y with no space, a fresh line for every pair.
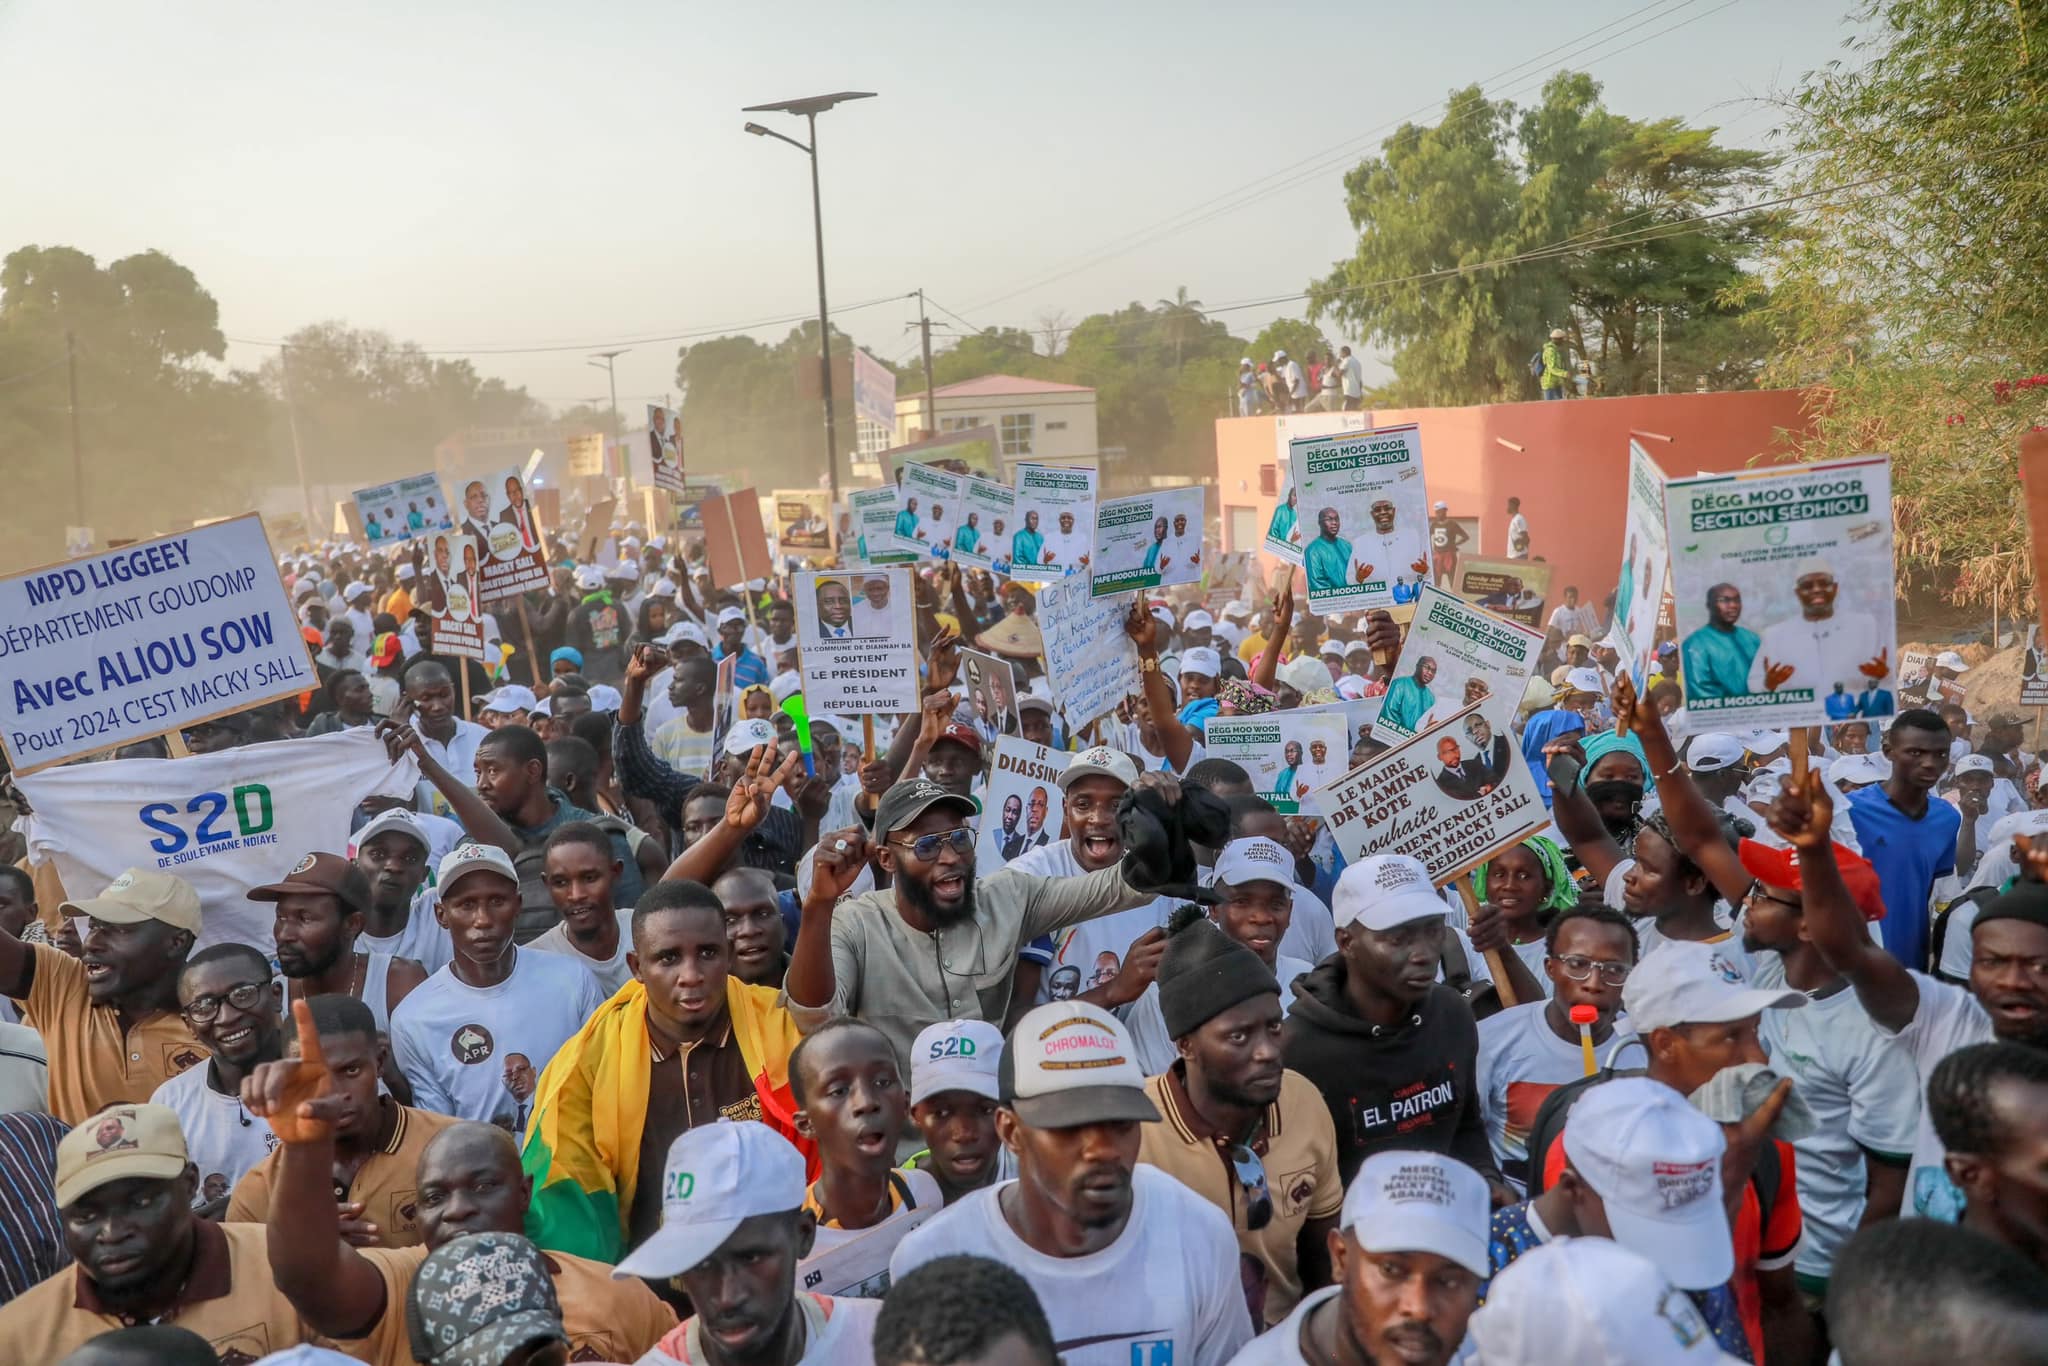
900,980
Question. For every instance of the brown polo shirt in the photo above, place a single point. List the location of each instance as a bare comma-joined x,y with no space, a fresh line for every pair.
606,1320
386,1185
1297,1143
228,1299
698,1083
93,1064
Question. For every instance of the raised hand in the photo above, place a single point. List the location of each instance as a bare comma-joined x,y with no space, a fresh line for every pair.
942,661
647,661
399,739
1625,717
2032,857
837,863
1142,627
1775,675
1802,814
1139,969
296,1094
754,793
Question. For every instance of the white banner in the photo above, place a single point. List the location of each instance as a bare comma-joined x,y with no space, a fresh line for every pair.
224,822
1645,566
402,509
99,651
1055,531
1454,655
1092,664
859,639
1288,754
1364,519
1021,807
1783,580
1149,540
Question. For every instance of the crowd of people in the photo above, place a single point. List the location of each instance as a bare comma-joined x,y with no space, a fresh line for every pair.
669,1027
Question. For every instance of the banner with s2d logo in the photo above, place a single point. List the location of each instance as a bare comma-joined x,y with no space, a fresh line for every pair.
224,822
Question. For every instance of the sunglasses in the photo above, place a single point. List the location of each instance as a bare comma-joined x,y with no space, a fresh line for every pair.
1578,967
242,997
1251,1175
925,848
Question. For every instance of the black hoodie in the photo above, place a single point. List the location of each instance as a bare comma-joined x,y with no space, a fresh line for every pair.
1414,1085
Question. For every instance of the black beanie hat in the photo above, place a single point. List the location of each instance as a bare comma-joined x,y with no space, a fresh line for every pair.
1205,972
2022,901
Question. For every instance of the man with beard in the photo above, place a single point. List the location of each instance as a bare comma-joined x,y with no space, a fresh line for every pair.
110,1018
469,1182
1407,1259
733,1232
1327,559
1182,551
1400,558
1125,1259
1027,547
125,1188
321,907
1819,647
394,852
1067,549
377,1139
885,955
1719,655
1240,1130
953,1096
226,997
1409,698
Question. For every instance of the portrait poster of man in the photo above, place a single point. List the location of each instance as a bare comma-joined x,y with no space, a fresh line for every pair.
499,517
665,446
928,507
451,590
1149,540
981,531
991,692
1364,519
859,641
1021,804
1646,556
1055,532
1455,654
1288,754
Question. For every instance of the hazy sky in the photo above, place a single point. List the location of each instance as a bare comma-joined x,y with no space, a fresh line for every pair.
516,173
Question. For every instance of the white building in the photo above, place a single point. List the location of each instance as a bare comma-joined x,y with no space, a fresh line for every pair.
1036,419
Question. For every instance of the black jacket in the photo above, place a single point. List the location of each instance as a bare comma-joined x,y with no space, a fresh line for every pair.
1412,1086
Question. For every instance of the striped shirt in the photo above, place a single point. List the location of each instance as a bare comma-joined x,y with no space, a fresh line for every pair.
31,1237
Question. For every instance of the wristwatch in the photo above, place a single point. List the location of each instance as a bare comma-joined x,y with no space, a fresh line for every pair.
1148,664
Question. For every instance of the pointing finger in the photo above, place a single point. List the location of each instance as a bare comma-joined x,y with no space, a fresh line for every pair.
309,1036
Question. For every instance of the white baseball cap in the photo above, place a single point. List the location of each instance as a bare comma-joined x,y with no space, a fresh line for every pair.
1692,983
1203,660
747,735
1386,891
1949,659
1069,1063
1163,615
542,707
1655,1163
605,698
785,685
1764,741
664,587
685,630
1585,680
471,857
956,1055
1236,611
726,614
1859,770
355,590
1230,633
1592,1302
1404,1201
1031,701
1332,649
1254,859
589,578
399,819
717,1177
510,698
1714,751
1110,763
1304,673
406,573
1972,763
1198,619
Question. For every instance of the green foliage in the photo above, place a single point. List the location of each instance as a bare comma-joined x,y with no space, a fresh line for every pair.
1918,297
1298,339
751,411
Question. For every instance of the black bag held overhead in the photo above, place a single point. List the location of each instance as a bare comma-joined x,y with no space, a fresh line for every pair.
1157,856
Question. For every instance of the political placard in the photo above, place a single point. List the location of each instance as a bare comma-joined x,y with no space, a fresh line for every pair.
1364,518
1452,797
165,633
1283,528
2033,671
874,391
450,588
928,504
665,447
1288,754
498,517
803,520
1784,589
1645,565
402,509
1055,531
586,454
1454,655
1515,589
1092,664
1149,540
991,694
1916,671
873,512
988,511
1021,805
687,517
859,641
973,450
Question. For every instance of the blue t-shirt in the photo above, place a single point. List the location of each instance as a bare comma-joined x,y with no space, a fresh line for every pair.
1908,855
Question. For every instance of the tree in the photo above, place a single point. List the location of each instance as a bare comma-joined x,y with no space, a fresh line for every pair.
1917,301
751,411
1180,317
1298,339
1053,326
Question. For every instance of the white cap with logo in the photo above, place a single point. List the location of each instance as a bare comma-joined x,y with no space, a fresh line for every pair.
1655,1163
956,1055
472,857
1254,859
1099,760
397,818
748,735
1069,1063
1714,751
1203,660
1690,983
1404,1201
510,698
1383,892
1591,1302
1198,620
717,1176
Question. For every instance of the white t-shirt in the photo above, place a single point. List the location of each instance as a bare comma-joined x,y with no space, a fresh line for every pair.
1948,1018
1573,621
1146,1020
1167,1290
1521,1061
839,1333
1095,947
682,747
924,1192
223,1139
423,939
1280,1345
456,1043
1859,1084
612,973
1518,527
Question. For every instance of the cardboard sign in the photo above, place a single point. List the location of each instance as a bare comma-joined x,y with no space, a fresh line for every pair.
859,641
928,506
1797,563
402,509
721,515
756,560
1515,589
1645,567
595,544
988,512
1288,754
1452,797
1091,663
586,455
991,693
873,513
665,447
976,450
1916,668
1364,519
495,513
105,649
1150,540
803,520
1021,804
1055,532
1454,655
450,588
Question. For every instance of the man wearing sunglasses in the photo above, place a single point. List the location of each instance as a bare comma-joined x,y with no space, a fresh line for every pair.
1240,1130
938,943
226,996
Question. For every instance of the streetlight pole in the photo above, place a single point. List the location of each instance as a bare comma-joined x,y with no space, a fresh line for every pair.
810,108
618,437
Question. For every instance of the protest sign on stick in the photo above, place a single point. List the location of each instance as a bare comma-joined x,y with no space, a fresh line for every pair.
1364,518
751,535
1515,589
1092,664
988,514
1021,806
665,447
874,526
1055,532
404,508
1288,754
1455,654
1645,567
928,507
449,588
109,648
1784,589
1149,540
859,641
507,531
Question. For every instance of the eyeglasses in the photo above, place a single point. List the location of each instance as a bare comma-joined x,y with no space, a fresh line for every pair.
1578,967
242,997
1757,892
1251,1175
925,848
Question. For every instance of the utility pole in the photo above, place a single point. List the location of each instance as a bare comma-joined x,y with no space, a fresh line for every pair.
618,437
824,320
314,527
931,396
77,459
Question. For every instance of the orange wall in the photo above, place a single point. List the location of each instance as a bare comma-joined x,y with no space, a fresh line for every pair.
1570,473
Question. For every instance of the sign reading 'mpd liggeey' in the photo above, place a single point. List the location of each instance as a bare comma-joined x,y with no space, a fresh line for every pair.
99,651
